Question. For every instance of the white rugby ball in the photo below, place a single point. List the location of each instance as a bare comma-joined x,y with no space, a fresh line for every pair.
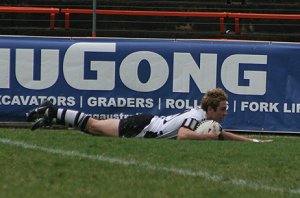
207,126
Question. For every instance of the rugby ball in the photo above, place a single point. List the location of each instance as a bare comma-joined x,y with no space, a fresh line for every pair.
207,126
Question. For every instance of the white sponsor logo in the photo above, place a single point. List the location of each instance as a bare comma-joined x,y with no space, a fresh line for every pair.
185,69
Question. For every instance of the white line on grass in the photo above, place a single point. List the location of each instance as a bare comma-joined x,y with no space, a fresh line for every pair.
178,171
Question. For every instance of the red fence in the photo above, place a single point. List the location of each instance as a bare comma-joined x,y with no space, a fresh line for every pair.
40,10
221,15
238,16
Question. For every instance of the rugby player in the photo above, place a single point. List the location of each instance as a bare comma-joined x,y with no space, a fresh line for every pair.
179,126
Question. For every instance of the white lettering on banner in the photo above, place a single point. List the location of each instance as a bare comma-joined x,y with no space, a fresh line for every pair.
259,106
74,67
291,108
4,68
108,116
120,102
257,79
185,68
25,68
36,100
159,71
181,104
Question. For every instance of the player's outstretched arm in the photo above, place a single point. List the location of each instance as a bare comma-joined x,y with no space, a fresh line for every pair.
231,136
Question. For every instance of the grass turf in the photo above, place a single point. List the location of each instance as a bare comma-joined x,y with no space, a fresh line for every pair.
66,163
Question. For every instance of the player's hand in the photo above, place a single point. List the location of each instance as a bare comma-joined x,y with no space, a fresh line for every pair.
213,133
266,140
261,141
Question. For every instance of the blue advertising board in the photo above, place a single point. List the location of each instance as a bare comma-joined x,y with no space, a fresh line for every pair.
114,78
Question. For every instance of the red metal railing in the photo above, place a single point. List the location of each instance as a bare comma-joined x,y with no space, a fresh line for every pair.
41,10
238,16
220,15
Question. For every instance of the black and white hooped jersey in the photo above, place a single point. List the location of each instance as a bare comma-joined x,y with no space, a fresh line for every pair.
168,126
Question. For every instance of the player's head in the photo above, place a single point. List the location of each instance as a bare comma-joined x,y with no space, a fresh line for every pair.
214,102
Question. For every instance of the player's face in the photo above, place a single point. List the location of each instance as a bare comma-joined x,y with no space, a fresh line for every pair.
219,114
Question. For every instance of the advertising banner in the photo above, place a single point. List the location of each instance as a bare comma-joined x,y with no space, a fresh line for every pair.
114,78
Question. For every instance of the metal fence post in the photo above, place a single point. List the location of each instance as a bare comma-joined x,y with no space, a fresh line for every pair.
94,18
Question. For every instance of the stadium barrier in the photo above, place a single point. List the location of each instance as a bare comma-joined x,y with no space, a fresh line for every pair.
40,10
220,15
238,16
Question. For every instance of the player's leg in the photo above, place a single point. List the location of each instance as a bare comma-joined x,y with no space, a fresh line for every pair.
47,112
109,127
86,123
128,127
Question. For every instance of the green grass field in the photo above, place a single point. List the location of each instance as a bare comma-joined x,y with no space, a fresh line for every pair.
66,163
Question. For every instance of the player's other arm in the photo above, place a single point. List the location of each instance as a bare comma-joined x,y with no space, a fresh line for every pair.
188,134
231,136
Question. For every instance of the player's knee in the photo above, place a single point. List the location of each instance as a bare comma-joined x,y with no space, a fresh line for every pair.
92,127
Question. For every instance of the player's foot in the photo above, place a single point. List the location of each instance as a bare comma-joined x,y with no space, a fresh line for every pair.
40,111
41,122
42,115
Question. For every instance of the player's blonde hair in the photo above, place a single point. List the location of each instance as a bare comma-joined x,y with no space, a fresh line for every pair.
213,98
